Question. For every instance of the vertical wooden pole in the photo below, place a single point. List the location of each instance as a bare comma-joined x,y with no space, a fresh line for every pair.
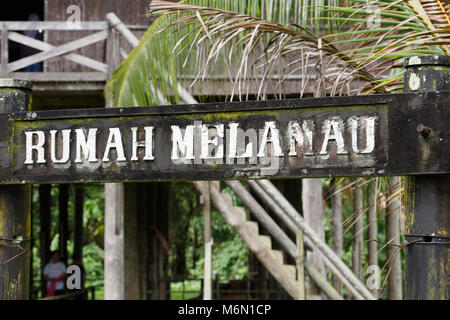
207,288
114,204
63,222
44,234
78,222
114,242
300,265
358,232
373,228
427,198
4,50
314,217
394,261
336,225
15,210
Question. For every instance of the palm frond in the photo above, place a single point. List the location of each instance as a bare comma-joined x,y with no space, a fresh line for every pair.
264,46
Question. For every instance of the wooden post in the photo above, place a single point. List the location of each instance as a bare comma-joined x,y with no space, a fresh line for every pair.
336,225
114,203
114,242
44,234
300,268
394,262
78,222
207,288
373,228
4,50
314,217
427,197
63,221
358,231
15,210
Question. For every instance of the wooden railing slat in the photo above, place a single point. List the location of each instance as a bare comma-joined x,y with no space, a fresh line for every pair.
57,51
55,25
40,45
4,48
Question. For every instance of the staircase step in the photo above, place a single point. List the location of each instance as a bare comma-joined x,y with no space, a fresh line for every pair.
227,197
266,240
241,212
290,269
278,255
253,226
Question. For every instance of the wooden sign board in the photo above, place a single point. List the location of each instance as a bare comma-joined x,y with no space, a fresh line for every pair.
342,136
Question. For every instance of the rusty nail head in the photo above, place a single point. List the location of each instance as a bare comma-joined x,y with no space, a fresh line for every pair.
423,130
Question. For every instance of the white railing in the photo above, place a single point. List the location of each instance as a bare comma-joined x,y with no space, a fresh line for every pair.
109,32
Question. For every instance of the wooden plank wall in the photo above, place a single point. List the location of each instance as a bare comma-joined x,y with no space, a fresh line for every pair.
131,12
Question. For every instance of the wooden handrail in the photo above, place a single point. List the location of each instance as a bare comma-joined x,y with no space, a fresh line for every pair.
55,25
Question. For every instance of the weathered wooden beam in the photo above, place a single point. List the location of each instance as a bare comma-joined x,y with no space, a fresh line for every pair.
391,147
115,23
43,46
55,25
57,51
427,197
15,211
81,77
4,55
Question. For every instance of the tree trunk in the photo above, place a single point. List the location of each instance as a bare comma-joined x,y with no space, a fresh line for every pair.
373,228
314,217
358,232
207,290
44,234
393,239
78,222
336,224
63,221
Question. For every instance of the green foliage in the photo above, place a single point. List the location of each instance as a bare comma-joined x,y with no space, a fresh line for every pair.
229,254
93,224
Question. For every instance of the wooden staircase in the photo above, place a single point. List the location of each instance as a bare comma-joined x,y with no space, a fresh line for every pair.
260,245
266,241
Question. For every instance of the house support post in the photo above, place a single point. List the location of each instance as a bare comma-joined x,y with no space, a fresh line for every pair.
427,197
15,210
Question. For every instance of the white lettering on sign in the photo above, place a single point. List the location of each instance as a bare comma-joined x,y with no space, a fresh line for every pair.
233,154
334,124
84,146
65,147
183,145
331,137
369,123
274,138
206,141
114,134
147,144
298,135
39,146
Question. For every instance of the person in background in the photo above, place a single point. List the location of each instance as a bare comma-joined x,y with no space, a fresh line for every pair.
28,51
81,296
55,274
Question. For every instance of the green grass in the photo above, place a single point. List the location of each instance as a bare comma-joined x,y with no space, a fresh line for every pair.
192,289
